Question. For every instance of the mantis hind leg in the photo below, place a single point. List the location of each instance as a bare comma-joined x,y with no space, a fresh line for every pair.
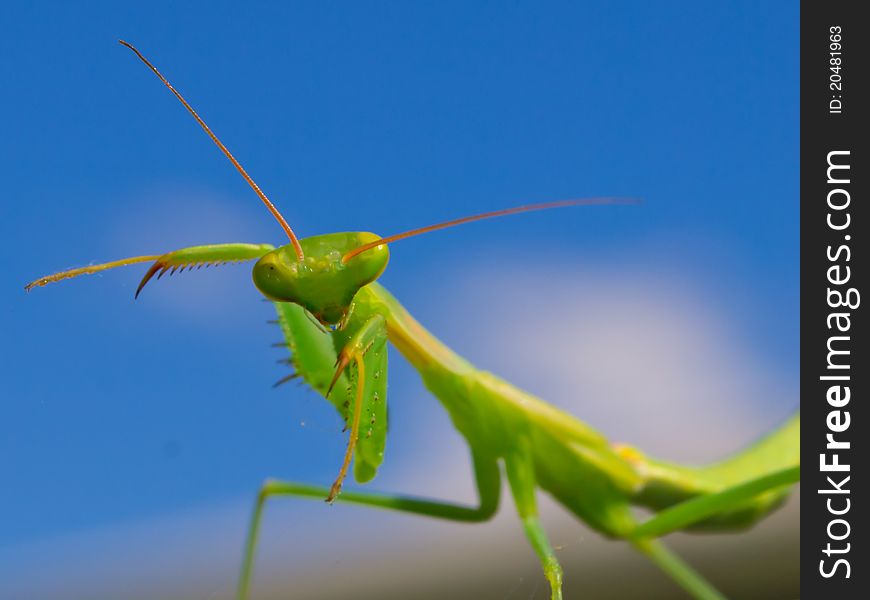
520,472
487,478
693,511
688,578
697,509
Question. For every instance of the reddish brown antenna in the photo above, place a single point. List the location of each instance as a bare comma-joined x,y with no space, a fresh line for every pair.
293,239
488,215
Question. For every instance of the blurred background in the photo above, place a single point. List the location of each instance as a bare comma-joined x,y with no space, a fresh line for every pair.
134,435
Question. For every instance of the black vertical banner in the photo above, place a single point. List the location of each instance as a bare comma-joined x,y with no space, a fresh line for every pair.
835,66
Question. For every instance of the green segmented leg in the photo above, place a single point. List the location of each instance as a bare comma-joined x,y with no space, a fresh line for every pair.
371,335
212,254
373,331
520,472
687,577
177,259
697,509
692,511
487,479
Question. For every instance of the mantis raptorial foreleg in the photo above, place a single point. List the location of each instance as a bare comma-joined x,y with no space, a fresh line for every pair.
372,335
184,258
373,331
486,475
521,476
198,256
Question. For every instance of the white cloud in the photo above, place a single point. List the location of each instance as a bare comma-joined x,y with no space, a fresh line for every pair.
643,354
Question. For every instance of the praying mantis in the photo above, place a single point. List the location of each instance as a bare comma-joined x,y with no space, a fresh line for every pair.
337,321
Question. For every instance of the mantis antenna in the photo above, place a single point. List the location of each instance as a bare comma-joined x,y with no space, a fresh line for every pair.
487,215
293,239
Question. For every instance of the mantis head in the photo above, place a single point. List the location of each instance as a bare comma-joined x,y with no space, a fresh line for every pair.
324,282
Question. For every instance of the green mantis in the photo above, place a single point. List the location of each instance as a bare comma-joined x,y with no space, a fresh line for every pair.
337,322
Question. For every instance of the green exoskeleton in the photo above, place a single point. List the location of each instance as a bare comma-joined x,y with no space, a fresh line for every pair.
337,321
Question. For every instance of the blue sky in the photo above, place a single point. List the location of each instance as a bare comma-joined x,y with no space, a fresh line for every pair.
376,117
